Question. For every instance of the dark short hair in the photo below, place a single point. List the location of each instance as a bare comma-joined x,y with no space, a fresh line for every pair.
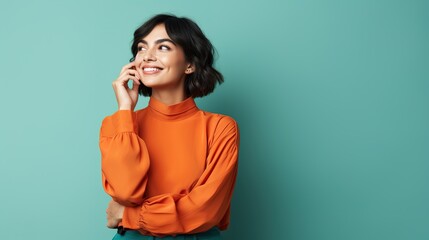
197,48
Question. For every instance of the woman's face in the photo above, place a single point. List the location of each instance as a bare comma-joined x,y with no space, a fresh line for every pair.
160,62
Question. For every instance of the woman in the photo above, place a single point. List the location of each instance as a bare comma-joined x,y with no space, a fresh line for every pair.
170,168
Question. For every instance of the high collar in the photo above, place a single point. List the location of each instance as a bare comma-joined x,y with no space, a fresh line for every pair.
176,111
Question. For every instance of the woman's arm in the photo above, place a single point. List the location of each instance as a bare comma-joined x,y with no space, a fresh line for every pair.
124,158
206,204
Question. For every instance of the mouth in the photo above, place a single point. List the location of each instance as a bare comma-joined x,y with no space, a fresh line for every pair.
151,70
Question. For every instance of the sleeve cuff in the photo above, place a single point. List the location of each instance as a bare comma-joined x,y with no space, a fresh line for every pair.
130,218
125,120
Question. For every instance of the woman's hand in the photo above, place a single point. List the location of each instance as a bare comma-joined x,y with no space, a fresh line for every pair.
114,213
126,97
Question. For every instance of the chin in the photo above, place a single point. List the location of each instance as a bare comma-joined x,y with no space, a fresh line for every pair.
149,84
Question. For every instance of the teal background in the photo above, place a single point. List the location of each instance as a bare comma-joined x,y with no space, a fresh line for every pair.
331,98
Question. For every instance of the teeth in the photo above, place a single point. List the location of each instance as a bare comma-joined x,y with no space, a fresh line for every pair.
151,69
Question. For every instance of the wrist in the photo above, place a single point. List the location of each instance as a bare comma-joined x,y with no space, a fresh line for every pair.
125,108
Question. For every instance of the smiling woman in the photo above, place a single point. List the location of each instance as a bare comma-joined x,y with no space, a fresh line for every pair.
170,168
161,63
185,37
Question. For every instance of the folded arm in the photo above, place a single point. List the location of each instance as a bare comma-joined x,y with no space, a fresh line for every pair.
206,204
124,159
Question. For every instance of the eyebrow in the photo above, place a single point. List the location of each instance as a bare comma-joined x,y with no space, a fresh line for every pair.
159,41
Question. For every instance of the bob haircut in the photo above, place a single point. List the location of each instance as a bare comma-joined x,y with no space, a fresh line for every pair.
197,48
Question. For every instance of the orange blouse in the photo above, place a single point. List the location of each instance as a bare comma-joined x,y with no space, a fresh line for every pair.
173,167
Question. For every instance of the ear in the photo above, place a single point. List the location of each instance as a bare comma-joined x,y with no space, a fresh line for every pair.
190,69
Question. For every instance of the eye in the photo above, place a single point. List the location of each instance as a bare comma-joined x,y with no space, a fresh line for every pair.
141,48
164,48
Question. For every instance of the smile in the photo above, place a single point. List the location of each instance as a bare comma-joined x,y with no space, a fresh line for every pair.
150,70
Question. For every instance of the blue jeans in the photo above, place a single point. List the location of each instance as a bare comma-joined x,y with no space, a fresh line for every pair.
212,234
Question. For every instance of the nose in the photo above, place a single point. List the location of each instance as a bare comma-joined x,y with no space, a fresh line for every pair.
149,56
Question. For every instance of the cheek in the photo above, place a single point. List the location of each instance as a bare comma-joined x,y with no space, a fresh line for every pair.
138,56
179,63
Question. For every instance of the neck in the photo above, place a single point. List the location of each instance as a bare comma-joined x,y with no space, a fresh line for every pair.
169,97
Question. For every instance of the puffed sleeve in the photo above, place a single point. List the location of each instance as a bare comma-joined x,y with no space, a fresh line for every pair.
206,204
124,158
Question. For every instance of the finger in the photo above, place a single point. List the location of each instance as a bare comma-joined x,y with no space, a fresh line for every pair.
129,72
135,81
128,66
110,224
136,85
125,76
135,73
138,74
123,81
